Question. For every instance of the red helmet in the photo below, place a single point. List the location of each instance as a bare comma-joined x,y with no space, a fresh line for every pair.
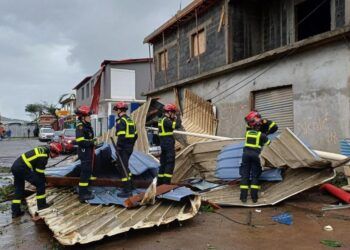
55,147
83,111
252,116
120,105
170,107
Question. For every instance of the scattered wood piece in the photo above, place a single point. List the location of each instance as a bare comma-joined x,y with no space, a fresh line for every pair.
134,200
222,18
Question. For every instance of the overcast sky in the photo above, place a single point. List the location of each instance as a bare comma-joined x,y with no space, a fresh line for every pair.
48,46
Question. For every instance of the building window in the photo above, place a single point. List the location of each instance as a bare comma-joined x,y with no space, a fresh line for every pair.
163,60
198,43
312,17
82,93
88,90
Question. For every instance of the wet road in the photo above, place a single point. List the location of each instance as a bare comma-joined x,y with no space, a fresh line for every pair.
205,231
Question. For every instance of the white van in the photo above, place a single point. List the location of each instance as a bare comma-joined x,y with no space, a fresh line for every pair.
46,134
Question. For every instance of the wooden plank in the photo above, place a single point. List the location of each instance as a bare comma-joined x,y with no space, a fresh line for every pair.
134,200
105,182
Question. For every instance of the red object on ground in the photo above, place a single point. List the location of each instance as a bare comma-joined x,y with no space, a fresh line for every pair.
337,192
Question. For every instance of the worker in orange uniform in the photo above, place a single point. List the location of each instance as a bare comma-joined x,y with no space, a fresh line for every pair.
251,167
166,126
127,135
30,167
86,144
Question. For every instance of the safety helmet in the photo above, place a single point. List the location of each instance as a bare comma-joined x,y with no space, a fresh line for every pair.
83,111
120,105
56,147
170,107
252,116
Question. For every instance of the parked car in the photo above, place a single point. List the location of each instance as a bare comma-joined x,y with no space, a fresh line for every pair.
57,136
67,140
46,134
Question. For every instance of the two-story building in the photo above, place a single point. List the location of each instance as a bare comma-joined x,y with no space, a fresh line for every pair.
123,80
66,116
289,59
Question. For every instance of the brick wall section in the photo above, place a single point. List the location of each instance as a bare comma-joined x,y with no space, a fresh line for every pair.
215,48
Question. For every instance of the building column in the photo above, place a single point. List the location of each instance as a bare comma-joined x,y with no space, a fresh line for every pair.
347,12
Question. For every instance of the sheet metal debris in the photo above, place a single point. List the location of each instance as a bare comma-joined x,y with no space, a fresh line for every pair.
229,161
72,222
177,194
287,150
295,181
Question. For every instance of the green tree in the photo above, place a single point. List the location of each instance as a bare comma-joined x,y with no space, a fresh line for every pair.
34,110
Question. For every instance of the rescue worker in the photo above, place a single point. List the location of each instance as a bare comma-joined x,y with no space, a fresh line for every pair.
267,127
30,166
86,144
251,167
127,135
166,126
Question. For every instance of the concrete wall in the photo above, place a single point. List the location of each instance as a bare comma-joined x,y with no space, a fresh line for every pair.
181,65
321,90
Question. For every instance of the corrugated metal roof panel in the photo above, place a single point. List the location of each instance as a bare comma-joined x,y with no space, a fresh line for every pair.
288,150
345,147
229,161
295,181
177,194
73,222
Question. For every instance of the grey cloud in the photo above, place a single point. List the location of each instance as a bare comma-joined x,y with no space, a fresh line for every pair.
48,46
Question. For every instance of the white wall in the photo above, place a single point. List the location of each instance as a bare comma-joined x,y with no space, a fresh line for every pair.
122,84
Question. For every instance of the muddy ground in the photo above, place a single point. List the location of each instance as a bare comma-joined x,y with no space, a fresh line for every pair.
226,228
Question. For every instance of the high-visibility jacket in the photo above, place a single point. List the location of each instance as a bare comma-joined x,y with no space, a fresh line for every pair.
267,127
126,132
36,159
84,135
166,126
255,140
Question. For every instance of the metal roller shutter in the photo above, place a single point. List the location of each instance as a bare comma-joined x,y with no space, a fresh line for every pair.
276,105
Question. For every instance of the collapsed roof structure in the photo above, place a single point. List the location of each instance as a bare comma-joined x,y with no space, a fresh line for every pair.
205,165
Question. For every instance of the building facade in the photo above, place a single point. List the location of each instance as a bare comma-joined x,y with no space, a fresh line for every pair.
289,59
125,80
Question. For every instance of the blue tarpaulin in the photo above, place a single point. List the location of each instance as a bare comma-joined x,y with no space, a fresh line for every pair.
139,163
229,160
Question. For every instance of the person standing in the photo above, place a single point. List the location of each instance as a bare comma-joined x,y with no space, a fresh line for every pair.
28,131
166,126
86,143
30,166
127,135
250,167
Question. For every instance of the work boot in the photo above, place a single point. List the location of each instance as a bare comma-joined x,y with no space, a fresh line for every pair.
254,195
16,210
166,180
86,196
244,195
126,190
41,204
160,181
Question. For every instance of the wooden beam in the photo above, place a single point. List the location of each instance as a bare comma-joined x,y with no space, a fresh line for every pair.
104,182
